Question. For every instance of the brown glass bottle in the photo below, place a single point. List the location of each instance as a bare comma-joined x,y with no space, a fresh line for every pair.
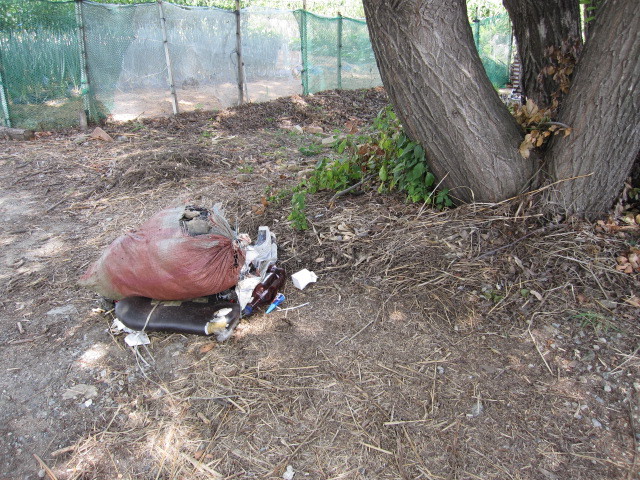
265,291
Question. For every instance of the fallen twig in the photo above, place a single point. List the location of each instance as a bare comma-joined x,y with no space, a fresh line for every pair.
352,187
44,466
534,232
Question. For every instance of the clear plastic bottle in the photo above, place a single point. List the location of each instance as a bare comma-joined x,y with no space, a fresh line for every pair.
266,291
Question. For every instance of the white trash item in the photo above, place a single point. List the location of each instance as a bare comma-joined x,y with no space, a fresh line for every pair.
303,278
261,254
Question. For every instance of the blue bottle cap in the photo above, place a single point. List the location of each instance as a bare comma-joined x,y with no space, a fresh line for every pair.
276,301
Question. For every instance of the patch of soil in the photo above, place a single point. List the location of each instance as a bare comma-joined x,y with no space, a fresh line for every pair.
478,342
328,109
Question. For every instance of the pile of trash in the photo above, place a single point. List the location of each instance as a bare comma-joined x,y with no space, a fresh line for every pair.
186,270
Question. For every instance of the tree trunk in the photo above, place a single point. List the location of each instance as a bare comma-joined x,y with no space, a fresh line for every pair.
435,79
603,109
537,25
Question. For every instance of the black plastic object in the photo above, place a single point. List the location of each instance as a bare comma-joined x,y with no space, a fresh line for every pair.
207,316
265,291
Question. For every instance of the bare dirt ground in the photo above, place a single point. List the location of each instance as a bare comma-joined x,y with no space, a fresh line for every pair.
154,103
476,343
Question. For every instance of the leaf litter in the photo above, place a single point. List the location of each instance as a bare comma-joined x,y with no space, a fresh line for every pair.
479,342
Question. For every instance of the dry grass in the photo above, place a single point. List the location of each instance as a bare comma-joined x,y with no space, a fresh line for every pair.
435,345
433,378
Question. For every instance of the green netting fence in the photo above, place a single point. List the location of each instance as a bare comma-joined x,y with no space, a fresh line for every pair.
64,61
494,42
336,53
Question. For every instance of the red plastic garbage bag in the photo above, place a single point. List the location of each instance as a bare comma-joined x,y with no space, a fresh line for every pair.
178,254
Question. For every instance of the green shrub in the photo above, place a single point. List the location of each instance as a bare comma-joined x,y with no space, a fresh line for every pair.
382,158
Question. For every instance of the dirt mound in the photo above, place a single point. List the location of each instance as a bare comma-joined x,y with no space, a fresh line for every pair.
153,167
330,109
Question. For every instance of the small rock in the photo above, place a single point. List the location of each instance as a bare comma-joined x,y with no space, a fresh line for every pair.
86,391
189,214
596,423
297,129
441,370
608,304
100,134
313,129
306,173
198,226
292,167
607,388
289,473
476,410
328,140
65,310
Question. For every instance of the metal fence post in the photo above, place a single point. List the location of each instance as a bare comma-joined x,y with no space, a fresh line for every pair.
4,100
510,57
305,52
339,50
167,56
84,75
239,54
476,31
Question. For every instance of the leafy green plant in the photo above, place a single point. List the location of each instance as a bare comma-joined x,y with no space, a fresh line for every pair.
382,158
311,150
137,126
246,169
297,217
590,6
492,295
386,159
595,321
333,174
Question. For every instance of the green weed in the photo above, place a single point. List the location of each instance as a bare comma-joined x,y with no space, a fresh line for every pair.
381,158
297,217
596,322
246,169
311,150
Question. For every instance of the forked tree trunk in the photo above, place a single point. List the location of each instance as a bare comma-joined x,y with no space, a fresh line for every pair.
537,25
435,79
603,109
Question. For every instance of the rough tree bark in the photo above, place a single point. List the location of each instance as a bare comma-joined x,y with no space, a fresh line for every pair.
435,79
537,25
603,109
